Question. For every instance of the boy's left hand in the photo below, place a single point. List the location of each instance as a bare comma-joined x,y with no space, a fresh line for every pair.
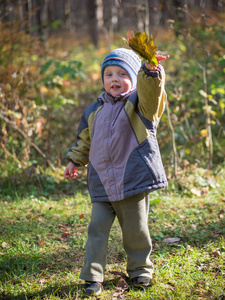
159,58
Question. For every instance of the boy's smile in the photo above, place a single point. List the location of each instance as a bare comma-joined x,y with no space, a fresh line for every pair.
116,80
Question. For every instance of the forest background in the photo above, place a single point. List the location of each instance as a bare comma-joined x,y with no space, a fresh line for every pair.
51,53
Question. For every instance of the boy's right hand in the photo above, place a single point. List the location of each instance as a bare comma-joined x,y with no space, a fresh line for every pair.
70,171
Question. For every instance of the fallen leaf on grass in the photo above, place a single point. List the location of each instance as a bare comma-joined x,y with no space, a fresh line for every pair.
216,253
30,217
42,242
42,281
196,192
194,227
5,245
81,216
122,286
65,236
203,267
171,240
169,285
203,293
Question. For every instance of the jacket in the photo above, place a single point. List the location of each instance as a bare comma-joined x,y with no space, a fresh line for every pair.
117,140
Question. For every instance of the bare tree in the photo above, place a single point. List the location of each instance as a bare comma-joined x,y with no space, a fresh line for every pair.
92,21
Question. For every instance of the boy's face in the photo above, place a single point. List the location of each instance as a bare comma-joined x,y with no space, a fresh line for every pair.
116,80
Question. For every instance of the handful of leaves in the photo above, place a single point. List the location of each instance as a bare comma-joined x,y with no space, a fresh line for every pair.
144,45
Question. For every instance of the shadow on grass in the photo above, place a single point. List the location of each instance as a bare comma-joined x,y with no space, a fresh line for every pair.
40,186
58,291
74,291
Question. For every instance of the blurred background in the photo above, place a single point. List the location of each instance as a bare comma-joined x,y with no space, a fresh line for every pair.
50,60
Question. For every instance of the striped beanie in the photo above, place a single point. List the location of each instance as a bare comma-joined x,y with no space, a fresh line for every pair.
126,59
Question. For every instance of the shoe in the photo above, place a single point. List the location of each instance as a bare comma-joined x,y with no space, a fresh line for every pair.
92,288
141,281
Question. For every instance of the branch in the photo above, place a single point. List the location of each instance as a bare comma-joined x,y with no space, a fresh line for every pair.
26,137
173,141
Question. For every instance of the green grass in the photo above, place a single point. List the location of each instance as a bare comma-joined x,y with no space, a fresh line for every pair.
43,235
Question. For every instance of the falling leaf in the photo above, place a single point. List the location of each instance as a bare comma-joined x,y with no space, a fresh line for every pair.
142,44
81,216
171,240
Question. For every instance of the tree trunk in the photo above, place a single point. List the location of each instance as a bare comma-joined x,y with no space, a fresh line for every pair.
92,21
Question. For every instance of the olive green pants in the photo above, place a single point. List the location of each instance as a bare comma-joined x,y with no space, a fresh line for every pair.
132,214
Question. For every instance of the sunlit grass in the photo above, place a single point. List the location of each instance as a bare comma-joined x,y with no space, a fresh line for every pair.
42,244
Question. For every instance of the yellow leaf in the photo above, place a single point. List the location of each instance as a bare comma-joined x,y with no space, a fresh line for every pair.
43,90
143,45
204,132
187,151
212,112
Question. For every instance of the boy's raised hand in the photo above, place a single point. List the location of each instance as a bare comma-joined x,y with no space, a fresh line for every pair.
159,58
70,171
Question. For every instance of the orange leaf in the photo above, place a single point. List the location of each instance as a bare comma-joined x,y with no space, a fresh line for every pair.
42,242
65,236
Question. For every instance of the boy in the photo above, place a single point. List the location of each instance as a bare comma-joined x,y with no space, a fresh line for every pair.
117,139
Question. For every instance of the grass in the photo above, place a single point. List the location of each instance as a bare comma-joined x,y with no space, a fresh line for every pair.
43,234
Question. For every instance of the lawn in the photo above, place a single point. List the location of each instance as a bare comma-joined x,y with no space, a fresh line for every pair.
43,229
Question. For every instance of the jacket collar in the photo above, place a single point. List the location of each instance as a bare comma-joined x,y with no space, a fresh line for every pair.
106,97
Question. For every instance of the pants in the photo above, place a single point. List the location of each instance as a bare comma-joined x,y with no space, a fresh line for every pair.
132,214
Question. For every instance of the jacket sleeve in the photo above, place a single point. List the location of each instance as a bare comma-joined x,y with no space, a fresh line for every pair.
79,153
151,93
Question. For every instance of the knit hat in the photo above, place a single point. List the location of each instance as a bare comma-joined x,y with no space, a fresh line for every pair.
126,59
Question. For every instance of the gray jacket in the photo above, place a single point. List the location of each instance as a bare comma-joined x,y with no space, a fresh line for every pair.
117,139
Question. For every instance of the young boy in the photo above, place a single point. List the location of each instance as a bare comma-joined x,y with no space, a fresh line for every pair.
117,139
